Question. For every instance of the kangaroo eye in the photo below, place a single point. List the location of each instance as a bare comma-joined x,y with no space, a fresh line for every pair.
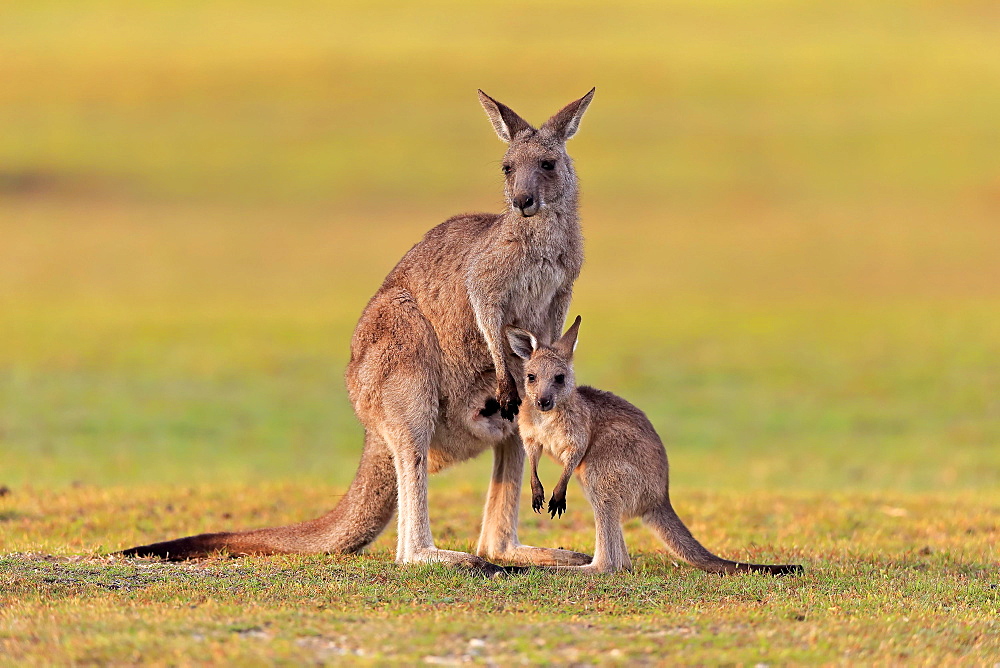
560,379
548,165
531,378
506,169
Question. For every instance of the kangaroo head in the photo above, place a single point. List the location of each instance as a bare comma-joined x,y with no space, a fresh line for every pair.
548,370
537,171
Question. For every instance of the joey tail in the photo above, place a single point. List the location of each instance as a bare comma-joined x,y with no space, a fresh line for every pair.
675,535
357,520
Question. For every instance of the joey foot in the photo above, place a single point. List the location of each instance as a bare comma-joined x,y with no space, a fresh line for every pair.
507,398
557,505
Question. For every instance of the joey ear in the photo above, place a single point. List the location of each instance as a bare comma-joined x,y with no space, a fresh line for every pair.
521,341
505,121
567,121
566,345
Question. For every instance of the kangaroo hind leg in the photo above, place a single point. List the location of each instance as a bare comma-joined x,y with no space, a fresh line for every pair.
395,383
498,538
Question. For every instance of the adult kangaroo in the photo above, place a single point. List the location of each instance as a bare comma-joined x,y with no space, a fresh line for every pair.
429,377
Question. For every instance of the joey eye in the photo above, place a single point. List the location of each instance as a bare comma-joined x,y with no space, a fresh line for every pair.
531,378
548,165
560,379
506,169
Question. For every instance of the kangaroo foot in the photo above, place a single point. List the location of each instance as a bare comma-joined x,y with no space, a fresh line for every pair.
459,560
527,555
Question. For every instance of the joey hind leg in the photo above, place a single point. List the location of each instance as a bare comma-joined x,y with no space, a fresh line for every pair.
498,538
610,552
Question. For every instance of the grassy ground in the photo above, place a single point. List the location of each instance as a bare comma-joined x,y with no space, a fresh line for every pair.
891,577
790,211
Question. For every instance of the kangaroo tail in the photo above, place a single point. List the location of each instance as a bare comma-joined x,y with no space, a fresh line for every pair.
675,535
357,520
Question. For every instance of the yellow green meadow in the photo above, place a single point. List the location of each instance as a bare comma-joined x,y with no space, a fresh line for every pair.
792,212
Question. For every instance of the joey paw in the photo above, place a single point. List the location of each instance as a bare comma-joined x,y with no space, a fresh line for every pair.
537,501
557,506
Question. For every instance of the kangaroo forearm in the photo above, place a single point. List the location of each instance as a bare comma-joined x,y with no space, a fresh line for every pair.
560,489
534,452
571,465
534,456
537,492
559,492
558,311
489,320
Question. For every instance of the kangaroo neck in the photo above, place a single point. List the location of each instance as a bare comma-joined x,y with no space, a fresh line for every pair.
552,222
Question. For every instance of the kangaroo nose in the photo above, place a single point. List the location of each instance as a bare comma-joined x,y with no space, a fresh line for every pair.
545,403
526,203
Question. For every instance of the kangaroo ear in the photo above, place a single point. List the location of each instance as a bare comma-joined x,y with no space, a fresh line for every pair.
505,121
521,341
565,123
566,345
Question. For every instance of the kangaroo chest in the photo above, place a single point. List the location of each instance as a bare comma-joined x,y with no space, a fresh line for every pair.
535,288
543,273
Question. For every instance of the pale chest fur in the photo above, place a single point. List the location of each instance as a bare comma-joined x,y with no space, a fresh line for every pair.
560,435
548,266
533,290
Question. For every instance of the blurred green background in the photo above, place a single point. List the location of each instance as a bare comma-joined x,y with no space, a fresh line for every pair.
792,212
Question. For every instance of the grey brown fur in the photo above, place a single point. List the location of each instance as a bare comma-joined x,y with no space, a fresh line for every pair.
614,450
429,377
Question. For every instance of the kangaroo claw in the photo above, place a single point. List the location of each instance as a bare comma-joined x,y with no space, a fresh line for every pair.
509,409
537,502
507,398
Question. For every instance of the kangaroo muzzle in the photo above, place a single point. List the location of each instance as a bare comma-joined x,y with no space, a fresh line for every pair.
526,204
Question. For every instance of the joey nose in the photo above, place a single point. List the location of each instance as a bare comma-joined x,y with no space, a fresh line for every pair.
544,404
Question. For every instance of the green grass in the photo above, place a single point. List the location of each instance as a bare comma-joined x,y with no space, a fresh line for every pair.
790,211
890,577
